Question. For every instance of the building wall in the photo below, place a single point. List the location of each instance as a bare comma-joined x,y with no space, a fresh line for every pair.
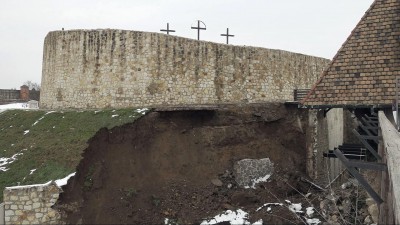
117,68
31,204
6,94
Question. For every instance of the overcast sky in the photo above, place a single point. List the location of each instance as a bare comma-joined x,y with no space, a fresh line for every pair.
313,27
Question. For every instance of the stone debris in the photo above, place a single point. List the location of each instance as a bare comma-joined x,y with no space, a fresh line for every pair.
217,182
249,172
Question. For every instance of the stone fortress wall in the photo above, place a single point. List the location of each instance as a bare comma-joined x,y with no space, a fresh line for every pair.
119,69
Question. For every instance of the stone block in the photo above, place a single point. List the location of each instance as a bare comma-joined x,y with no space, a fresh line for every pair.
36,205
13,207
9,213
249,172
24,198
27,207
39,215
52,213
19,212
31,217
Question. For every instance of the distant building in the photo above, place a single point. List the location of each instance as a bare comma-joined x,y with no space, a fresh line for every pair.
23,95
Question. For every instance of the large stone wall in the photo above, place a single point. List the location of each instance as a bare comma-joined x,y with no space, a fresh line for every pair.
117,68
31,204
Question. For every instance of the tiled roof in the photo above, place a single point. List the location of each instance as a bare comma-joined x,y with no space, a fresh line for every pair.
364,71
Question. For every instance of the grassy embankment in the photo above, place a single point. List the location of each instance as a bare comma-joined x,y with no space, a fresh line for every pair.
54,143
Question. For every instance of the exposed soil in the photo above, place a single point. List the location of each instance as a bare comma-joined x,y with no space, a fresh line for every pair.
161,166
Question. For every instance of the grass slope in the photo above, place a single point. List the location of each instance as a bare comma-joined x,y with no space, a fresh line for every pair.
54,143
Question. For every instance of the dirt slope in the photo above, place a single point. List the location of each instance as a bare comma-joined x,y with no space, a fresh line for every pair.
161,167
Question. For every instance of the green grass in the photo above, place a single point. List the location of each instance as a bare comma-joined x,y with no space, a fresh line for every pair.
53,146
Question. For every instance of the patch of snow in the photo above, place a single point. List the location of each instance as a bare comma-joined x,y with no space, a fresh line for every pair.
13,106
32,170
60,182
142,111
27,186
309,211
259,222
11,126
63,181
95,112
238,217
26,132
37,121
4,161
296,208
258,180
269,209
12,145
313,221
115,115
268,204
288,202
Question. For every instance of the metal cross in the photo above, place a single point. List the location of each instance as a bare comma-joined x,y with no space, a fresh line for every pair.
198,28
167,30
227,35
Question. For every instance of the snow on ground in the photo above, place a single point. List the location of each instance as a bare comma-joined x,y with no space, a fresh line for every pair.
63,181
32,170
26,132
233,217
310,211
60,183
296,208
27,186
4,160
258,180
268,204
142,111
37,121
14,106
115,115
314,221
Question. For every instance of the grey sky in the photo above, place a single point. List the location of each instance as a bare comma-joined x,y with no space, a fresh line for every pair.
313,27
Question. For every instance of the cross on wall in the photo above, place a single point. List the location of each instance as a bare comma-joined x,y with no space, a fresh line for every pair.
167,30
227,35
198,28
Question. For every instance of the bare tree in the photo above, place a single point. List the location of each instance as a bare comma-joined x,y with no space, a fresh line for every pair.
32,85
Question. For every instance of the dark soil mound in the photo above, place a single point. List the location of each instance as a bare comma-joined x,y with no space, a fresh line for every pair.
162,165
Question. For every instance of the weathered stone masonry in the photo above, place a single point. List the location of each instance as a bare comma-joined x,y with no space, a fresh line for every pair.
31,204
117,68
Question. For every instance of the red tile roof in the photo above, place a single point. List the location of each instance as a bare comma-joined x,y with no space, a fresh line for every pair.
364,70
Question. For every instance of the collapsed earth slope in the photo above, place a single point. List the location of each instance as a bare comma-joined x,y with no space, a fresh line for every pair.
161,166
